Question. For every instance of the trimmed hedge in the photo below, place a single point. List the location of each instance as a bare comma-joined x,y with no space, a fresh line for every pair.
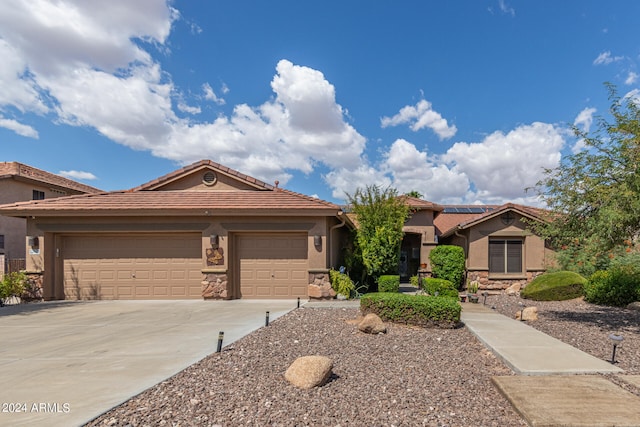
443,287
420,310
447,262
557,286
389,283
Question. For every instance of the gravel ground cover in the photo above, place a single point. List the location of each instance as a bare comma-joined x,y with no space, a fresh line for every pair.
408,377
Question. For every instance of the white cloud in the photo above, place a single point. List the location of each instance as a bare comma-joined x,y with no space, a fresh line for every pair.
188,109
210,95
345,181
584,120
19,128
73,174
421,116
631,78
505,8
605,58
501,166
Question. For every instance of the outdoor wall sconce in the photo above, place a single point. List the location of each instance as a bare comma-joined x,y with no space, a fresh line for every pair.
317,240
214,239
34,241
616,340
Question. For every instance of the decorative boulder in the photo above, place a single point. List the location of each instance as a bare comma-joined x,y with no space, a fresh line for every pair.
324,291
309,371
528,314
634,306
372,324
513,289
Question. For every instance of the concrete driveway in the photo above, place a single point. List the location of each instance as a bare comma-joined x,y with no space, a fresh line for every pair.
64,363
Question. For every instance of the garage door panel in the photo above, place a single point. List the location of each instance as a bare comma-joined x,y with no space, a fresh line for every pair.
133,267
273,265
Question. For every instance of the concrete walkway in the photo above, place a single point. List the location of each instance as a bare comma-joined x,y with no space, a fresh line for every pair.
547,393
525,349
64,363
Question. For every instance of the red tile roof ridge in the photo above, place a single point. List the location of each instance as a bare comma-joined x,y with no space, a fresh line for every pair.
415,202
529,210
23,170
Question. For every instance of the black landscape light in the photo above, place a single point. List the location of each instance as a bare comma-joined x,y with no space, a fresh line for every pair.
485,294
616,340
266,319
220,338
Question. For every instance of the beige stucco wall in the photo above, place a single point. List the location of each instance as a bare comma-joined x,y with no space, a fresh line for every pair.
194,182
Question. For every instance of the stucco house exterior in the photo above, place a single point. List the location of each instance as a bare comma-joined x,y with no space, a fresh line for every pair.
20,182
499,247
203,231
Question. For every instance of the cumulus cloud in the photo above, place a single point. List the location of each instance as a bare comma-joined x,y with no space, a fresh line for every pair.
606,58
419,117
631,78
502,166
94,72
80,175
505,8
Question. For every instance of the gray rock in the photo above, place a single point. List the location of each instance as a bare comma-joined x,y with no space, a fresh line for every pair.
309,371
634,306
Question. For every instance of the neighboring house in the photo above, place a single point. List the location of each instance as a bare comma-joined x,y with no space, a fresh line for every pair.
19,182
203,231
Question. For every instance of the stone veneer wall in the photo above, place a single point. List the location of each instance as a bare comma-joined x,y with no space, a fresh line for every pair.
215,286
320,285
34,289
482,277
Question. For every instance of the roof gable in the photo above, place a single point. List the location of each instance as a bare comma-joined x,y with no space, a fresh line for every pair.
204,175
525,211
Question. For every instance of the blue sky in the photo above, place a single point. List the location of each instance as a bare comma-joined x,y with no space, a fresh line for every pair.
463,101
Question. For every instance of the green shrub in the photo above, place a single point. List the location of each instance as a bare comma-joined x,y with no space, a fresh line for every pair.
557,286
442,286
342,283
389,283
617,286
447,262
13,285
420,310
414,281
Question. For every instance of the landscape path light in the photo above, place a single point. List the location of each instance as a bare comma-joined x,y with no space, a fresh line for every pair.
616,340
485,294
521,304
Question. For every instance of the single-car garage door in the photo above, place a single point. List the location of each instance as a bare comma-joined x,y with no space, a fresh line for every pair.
133,266
273,265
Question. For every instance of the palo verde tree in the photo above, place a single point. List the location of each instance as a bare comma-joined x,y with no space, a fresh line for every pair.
594,194
380,215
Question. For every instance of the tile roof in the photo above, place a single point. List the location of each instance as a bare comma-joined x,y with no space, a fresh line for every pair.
22,171
416,203
452,221
178,202
200,164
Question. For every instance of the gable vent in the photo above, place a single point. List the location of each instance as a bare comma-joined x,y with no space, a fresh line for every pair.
209,178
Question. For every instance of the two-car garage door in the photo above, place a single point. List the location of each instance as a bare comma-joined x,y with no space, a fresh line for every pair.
145,266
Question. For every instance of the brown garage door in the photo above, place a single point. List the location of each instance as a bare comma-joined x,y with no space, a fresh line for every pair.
132,266
273,265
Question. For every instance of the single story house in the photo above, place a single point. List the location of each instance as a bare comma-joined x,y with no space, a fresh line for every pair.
203,231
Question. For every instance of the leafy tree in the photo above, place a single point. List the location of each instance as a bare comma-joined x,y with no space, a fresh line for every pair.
380,214
594,194
414,193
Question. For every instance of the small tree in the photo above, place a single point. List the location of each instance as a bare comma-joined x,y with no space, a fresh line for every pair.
380,215
447,262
